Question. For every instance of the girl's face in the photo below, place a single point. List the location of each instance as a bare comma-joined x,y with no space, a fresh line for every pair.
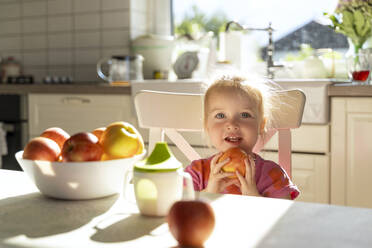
232,120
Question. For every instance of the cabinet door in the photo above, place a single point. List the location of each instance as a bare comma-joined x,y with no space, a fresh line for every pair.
77,112
351,164
307,138
310,172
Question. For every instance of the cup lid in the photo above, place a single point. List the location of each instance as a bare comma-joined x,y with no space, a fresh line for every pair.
161,159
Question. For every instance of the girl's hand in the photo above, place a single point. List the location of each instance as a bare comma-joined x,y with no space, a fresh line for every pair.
218,180
248,183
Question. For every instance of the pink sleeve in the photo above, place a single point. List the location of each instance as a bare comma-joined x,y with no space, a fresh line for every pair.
196,173
277,183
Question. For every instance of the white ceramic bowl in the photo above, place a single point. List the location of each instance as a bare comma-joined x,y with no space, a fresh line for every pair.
78,180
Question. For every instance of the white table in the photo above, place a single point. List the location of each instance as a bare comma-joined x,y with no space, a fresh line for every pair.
28,219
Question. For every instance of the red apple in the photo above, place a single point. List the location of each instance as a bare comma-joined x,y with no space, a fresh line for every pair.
237,157
42,148
191,222
57,134
80,147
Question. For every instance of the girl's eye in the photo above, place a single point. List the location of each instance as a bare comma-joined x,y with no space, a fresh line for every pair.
220,116
246,115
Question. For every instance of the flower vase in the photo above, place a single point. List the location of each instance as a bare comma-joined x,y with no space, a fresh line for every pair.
358,63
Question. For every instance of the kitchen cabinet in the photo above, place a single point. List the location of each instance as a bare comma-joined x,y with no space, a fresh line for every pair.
310,172
351,166
77,112
310,161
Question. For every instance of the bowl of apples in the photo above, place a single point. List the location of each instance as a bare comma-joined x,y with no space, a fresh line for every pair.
85,165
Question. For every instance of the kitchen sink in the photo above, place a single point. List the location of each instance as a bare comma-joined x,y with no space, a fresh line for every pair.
317,101
316,109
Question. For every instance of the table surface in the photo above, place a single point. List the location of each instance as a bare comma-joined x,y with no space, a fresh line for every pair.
29,219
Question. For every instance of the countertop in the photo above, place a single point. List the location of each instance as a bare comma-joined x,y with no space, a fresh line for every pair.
349,90
337,89
93,88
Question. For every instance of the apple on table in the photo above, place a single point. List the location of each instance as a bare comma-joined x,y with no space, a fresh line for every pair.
191,222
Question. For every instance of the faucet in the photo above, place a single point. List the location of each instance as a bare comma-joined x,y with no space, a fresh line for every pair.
270,47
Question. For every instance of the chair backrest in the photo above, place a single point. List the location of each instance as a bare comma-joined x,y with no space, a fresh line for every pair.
166,113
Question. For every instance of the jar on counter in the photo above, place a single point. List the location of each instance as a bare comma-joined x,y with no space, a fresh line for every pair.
160,74
10,67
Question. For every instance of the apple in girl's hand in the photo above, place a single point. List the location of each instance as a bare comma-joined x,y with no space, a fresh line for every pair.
80,147
42,148
121,140
237,157
191,222
57,134
98,132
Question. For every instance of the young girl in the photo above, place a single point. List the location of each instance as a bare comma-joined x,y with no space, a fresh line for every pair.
235,115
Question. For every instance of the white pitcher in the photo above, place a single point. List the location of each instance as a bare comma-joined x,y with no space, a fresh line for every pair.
121,68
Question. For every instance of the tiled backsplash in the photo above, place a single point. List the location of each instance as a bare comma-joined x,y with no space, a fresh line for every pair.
68,37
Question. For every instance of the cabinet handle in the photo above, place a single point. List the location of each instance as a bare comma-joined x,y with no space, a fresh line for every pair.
75,100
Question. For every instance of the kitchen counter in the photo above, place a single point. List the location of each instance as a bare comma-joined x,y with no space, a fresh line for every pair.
349,89
93,88
337,89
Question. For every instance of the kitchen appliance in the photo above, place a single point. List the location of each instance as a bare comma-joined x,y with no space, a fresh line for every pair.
121,68
157,51
9,68
186,64
14,119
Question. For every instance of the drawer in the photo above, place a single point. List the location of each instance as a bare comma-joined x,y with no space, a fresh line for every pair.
77,112
307,138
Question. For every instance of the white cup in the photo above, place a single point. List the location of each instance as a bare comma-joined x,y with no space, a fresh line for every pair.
156,192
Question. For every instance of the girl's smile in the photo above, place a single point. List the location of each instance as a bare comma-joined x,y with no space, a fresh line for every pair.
233,139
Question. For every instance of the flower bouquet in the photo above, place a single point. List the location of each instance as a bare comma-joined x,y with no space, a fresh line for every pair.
353,18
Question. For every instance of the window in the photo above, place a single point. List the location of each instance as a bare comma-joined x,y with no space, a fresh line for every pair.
295,22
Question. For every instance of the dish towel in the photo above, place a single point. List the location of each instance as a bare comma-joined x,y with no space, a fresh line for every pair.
3,146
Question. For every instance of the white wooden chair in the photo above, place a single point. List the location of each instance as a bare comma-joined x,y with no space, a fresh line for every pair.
165,113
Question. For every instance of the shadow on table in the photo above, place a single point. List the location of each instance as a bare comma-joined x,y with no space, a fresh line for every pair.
132,227
35,215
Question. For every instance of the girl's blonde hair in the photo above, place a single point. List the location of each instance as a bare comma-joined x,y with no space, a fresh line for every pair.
261,92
